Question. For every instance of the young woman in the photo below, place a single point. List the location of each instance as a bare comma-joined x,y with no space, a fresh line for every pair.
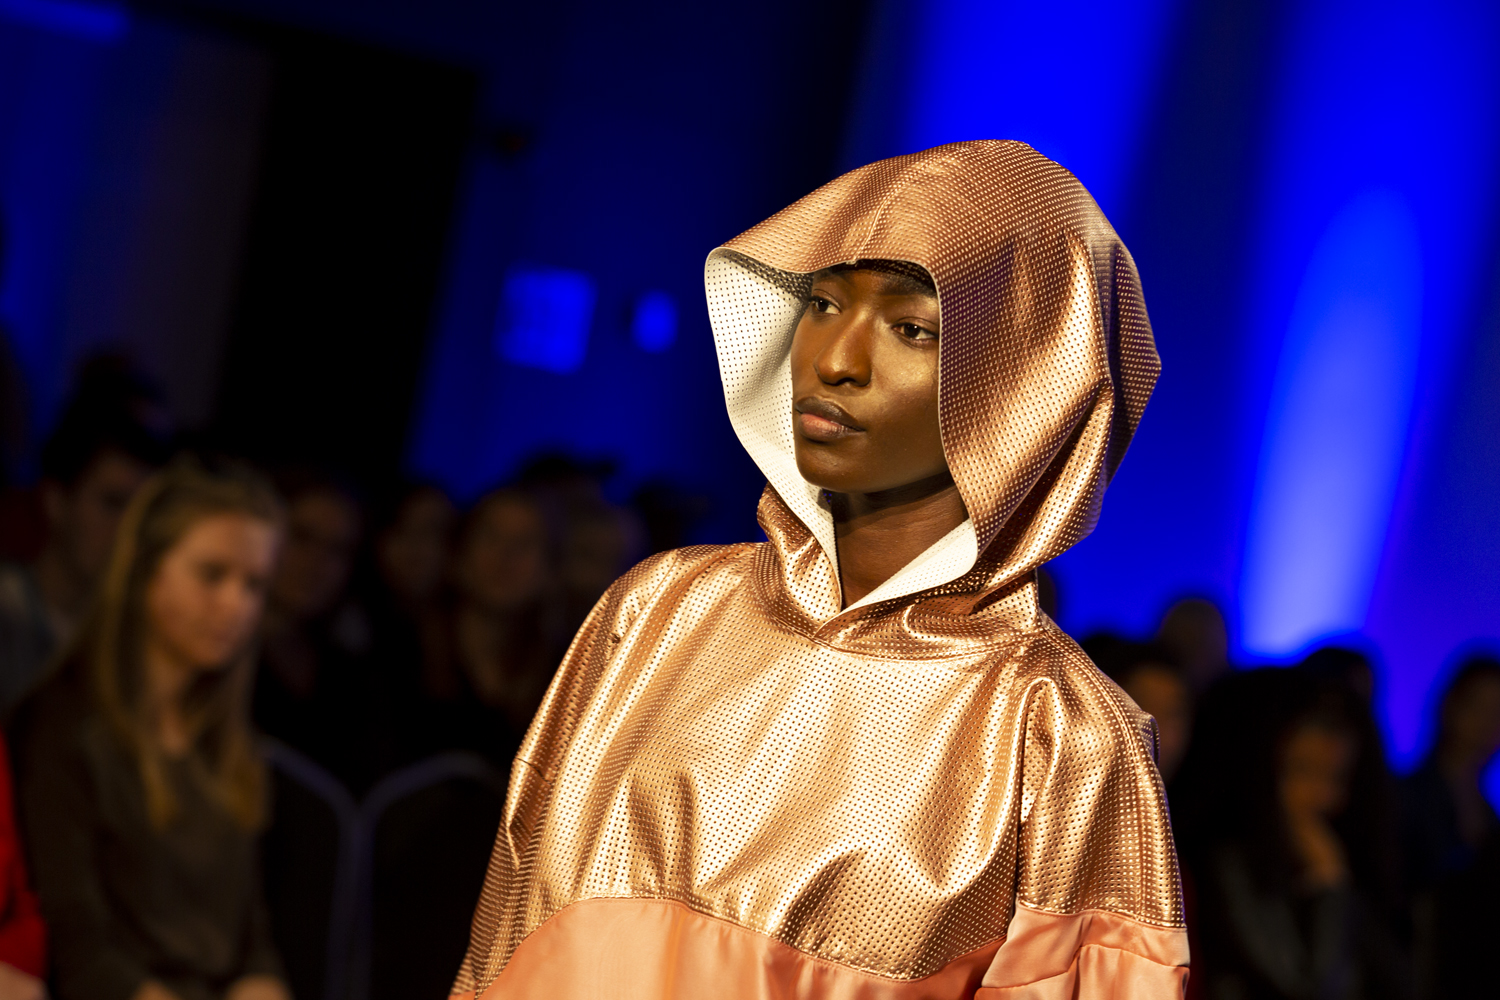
1287,829
141,790
503,638
856,760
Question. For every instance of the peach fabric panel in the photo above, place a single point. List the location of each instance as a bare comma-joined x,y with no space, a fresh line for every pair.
1093,954
653,949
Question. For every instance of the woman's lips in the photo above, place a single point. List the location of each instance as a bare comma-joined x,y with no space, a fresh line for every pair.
821,420
816,428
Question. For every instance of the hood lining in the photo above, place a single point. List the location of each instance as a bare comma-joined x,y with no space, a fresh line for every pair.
754,309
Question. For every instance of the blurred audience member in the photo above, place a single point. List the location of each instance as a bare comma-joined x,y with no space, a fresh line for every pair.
1193,632
104,446
594,541
667,514
404,588
311,631
1344,666
141,790
599,543
1447,817
1449,833
412,547
1146,672
1283,819
507,636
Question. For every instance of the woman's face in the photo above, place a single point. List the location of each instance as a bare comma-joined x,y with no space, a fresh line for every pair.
205,600
865,383
322,533
1316,766
413,551
503,562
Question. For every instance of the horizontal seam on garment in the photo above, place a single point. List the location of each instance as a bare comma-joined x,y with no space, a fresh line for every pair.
1100,910
732,925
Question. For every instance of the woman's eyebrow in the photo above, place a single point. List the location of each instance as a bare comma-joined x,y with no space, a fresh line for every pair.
905,284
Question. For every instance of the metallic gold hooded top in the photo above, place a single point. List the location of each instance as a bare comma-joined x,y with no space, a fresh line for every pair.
738,788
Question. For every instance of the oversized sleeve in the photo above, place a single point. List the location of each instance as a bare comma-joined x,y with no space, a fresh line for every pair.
60,816
1098,897
23,935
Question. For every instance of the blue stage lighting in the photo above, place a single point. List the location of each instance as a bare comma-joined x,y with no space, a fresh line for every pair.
99,22
1009,69
1336,430
654,325
544,320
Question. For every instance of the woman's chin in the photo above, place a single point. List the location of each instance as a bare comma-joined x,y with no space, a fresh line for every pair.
825,470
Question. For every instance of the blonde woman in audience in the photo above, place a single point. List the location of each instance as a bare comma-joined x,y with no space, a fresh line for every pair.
141,791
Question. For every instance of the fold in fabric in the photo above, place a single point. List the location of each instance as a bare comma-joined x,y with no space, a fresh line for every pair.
1094,954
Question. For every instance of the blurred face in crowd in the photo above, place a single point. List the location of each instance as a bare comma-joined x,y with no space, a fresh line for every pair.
322,532
502,563
205,600
413,551
1471,718
1161,693
865,383
1194,631
593,553
83,519
1316,765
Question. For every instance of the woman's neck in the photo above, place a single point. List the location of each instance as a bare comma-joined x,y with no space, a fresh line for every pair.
879,533
167,678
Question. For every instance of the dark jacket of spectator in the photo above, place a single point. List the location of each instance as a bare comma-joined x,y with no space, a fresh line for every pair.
1451,839
129,902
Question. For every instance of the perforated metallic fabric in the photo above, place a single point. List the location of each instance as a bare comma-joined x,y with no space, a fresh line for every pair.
881,789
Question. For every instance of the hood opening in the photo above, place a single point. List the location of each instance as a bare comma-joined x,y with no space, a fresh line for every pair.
1046,358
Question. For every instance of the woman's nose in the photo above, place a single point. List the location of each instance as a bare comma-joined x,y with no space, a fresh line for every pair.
845,357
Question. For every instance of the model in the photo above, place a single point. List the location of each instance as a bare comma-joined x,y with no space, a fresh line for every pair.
857,760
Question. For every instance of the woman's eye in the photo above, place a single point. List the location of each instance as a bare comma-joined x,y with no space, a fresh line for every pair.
912,331
819,304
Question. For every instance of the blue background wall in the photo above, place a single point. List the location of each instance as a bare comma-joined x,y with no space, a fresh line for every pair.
1309,190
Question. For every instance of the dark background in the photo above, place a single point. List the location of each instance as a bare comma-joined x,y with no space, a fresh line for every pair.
300,218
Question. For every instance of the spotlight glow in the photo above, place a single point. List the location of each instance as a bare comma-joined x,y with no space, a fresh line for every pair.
1336,430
